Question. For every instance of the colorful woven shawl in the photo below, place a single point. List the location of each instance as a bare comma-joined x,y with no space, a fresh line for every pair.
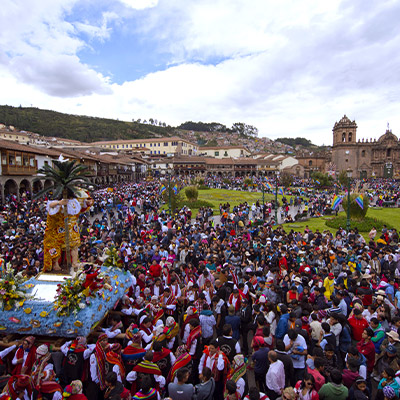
100,355
147,367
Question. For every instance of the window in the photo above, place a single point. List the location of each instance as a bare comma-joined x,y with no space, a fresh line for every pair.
18,160
226,154
165,144
363,153
159,144
388,152
26,161
4,158
151,144
310,163
11,159
344,137
45,163
216,153
350,136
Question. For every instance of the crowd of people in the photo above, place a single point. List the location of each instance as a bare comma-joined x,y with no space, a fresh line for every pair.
217,310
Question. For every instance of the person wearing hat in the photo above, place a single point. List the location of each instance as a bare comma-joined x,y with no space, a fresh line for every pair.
237,373
386,359
43,375
18,387
73,391
75,353
328,284
392,338
98,366
260,360
25,356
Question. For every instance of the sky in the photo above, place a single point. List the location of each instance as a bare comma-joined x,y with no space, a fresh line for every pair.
291,68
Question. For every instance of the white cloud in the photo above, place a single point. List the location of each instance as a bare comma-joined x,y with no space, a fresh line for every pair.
140,4
290,68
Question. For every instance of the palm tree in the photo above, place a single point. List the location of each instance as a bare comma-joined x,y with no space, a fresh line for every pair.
67,178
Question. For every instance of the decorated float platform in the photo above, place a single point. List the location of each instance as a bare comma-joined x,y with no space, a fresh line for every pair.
61,306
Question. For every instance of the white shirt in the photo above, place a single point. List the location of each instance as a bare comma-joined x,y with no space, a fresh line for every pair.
275,378
111,334
210,361
300,341
86,353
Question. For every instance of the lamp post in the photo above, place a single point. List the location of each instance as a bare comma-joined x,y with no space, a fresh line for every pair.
168,171
276,197
348,199
263,200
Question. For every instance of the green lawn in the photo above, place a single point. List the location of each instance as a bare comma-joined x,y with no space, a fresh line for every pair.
389,215
234,197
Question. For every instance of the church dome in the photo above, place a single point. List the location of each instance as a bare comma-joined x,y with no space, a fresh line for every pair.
388,136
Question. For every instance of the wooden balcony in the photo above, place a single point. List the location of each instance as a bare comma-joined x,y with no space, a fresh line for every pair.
19,169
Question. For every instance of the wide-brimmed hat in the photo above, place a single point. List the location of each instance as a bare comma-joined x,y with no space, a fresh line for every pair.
394,335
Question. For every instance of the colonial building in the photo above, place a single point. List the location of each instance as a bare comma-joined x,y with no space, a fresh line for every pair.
364,158
224,151
155,146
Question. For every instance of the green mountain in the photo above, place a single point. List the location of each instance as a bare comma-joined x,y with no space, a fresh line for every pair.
78,127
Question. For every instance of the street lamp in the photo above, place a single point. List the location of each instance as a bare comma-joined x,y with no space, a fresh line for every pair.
169,188
276,197
263,200
349,173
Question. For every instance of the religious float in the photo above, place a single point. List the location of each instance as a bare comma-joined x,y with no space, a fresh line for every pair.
61,306
66,299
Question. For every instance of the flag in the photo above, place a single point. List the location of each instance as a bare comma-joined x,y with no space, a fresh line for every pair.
281,191
316,181
162,189
267,185
175,189
360,201
336,201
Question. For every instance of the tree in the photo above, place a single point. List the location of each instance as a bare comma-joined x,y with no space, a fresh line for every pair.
286,179
191,193
67,178
356,212
343,178
244,129
324,180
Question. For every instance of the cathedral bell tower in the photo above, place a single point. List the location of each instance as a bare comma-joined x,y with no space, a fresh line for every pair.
344,132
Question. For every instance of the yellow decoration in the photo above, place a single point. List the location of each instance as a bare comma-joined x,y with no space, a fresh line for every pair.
35,323
108,298
100,307
116,291
28,310
57,324
78,324
2,328
44,314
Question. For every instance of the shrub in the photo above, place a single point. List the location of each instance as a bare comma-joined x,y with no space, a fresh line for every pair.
364,225
203,187
196,204
356,212
191,193
248,181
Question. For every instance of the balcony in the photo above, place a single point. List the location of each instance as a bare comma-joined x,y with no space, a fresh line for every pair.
19,169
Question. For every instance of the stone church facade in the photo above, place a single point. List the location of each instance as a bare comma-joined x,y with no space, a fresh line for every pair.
365,158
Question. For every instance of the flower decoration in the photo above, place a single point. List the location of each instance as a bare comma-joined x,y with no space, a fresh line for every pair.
113,259
75,294
13,292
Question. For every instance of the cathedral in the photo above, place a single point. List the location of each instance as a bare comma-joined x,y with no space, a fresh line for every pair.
364,158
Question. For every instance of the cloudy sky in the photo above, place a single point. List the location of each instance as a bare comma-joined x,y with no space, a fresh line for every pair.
289,67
